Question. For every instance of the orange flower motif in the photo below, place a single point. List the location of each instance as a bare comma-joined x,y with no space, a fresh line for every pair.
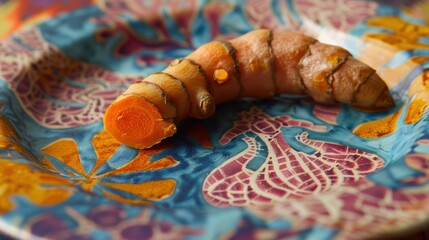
67,152
402,35
418,107
387,125
20,179
24,179
379,127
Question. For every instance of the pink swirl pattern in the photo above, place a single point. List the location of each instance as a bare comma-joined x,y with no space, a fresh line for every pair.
340,15
56,91
261,15
149,12
287,173
285,185
361,209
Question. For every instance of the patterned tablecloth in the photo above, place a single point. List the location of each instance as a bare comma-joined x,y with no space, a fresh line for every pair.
278,168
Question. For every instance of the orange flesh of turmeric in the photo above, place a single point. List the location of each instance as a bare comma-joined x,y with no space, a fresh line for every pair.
135,122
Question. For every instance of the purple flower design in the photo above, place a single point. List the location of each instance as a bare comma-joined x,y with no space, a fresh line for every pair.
112,219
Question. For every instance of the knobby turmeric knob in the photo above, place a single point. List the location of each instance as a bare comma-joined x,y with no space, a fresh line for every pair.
207,105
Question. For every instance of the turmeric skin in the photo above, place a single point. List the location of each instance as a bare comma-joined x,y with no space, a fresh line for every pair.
259,64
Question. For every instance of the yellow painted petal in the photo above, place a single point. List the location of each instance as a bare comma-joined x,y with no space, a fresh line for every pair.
88,184
65,150
420,59
142,161
105,146
417,107
402,35
48,196
420,83
398,41
6,130
50,179
419,104
9,140
400,28
5,204
154,190
8,137
379,127
20,179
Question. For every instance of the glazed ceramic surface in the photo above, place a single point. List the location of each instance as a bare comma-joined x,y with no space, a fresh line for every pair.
264,169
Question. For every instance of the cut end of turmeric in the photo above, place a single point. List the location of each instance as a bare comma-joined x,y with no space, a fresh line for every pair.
207,105
136,122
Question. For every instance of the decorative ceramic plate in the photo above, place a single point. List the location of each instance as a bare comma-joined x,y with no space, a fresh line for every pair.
271,169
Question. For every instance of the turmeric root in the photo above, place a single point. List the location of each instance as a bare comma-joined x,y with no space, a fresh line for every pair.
259,64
